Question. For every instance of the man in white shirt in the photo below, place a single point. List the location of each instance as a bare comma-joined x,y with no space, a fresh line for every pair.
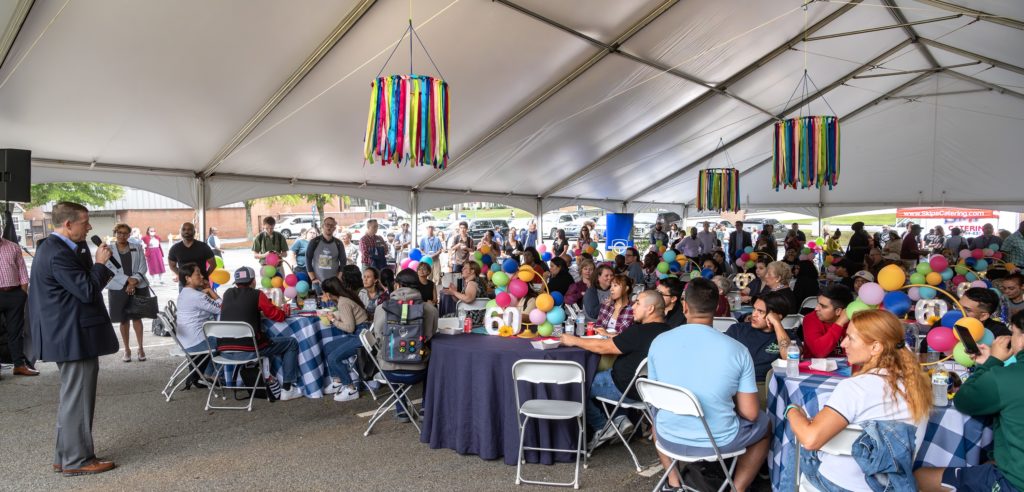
708,239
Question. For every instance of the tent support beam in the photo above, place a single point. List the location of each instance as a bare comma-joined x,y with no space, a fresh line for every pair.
998,88
62,163
10,34
922,70
293,80
897,14
414,211
700,99
883,28
551,91
937,94
617,49
996,19
974,56
202,194
753,131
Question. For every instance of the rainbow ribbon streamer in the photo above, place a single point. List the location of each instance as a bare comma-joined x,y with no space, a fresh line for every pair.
408,121
806,152
718,189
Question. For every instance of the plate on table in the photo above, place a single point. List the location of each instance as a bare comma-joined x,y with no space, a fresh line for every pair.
546,344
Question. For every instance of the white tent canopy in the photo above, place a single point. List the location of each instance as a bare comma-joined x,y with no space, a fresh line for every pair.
597,102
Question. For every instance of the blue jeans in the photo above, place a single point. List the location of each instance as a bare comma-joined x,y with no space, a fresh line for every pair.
604,387
288,351
404,377
340,349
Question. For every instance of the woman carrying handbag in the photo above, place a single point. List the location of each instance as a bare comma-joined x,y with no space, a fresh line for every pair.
129,282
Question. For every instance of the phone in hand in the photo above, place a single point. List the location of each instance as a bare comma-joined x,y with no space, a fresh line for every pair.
970,346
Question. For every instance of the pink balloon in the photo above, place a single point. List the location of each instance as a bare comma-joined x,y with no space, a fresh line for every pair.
871,293
914,294
541,248
745,257
965,253
998,255
958,279
404,264
272,259
980,284
740,262
938,263
537,316
988,252
941,339
503,300
517,288
290,280
978,254
812,245
413,265
290,292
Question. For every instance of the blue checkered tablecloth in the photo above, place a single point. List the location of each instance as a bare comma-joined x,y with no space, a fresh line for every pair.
951,438
312,338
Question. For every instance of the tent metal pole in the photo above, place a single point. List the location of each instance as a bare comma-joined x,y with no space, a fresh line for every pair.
414,209
10,34
1005,21
998,88
923,70
883,28
201,211
972,55
540,219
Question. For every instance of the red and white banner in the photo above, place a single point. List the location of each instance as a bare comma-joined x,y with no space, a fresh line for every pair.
945,213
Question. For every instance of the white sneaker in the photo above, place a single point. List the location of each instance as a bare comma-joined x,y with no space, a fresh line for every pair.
295,392
624,424
333,388
347,393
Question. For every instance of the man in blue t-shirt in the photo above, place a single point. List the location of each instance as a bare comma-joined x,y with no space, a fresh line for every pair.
684,357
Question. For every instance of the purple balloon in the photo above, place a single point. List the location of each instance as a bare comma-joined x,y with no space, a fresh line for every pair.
537,316
871,293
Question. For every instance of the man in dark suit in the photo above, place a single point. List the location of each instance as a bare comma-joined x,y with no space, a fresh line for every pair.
70,326
738,240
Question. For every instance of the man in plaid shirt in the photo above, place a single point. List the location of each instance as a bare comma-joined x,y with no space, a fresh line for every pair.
373,250
1013,247
13,296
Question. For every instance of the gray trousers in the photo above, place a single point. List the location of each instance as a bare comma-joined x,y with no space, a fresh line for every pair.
75,412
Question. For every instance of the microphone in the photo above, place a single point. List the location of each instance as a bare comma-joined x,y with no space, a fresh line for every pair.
96,240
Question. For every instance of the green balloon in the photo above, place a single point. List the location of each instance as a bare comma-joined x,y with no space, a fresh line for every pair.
694,274
269,271
857,306
961,269
917,278
219,261
663,267
478,255
265,282
492,303
960,355
500,279
924,268
545,329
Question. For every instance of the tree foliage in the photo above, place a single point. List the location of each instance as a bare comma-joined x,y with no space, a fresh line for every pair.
88,194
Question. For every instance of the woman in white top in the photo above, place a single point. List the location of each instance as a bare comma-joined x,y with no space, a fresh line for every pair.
890,386
197,304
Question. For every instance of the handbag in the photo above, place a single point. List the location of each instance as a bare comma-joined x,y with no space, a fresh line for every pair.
142,307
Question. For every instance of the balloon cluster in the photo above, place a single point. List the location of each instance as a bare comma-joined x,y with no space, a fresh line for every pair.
511,285
272,277
590,249
220,276
671,264
415,258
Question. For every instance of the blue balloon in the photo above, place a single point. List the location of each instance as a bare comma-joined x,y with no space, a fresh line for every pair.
971,277
707,273
897,302
947,274
557,296
662,276
987,338
302,287
510,266
301,275
675,266
927,292
970,261
499,290
669,255
981,265
416,254
749,249
556,315
545,256
950,318
487,260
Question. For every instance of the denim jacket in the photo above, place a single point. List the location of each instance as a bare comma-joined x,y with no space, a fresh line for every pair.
884,448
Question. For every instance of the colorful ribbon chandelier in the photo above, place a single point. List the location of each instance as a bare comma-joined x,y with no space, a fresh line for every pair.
718,189
408,118
806,152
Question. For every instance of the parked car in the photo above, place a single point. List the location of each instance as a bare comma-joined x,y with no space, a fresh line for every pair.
359,228
557,221
291,225
478,227
756,224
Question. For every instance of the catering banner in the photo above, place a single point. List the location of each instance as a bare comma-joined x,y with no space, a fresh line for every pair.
945,213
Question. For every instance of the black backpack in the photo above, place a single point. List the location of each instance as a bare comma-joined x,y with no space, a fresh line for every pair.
166,321
403,341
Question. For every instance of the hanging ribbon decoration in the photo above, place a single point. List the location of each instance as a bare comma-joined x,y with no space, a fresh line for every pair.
408,121
718,189
806,152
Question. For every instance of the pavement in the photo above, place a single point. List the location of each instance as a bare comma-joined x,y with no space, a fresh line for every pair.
302,444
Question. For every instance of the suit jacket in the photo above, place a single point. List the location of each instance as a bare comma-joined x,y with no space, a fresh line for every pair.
139,268
733,243
68,319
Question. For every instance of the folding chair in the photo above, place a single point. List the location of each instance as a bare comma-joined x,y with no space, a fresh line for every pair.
231,329
840,445
550,372
188,364
477,304
722,323
641,371
792,323
809,303
681,401
399,391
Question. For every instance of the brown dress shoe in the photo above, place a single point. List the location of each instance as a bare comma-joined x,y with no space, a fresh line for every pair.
25,371
89,468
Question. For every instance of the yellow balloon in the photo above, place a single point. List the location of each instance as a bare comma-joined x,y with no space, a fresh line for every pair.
933,278
893,277
545,302
609,255
220,276
276,282
526,274
974,326
485,249
753,256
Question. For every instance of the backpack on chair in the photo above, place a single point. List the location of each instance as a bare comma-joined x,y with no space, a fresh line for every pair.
404,342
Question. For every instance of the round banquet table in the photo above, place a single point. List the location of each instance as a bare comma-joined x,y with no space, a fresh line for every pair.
469,399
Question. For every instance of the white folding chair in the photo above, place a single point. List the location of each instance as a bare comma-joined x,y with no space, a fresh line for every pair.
641,371
722,323
809,303
792,322
840,445
231,329
399,391
681,401
477,304
173,383
550,372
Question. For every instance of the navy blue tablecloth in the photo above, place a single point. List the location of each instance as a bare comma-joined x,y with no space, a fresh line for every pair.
469,399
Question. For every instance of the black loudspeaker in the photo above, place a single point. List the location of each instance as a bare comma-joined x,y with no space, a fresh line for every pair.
15,175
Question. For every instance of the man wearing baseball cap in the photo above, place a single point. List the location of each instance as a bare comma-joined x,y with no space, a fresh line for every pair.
860,278
244,303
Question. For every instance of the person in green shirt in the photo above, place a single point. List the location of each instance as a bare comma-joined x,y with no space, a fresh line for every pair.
269,240
994,389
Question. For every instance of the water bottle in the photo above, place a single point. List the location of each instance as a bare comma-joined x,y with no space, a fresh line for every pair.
793,360
581,323
557,330
940,386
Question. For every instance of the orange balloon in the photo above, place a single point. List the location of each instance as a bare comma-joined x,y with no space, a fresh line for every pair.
934,278
973,325
545,302
485,249
753,256
526,274
276,282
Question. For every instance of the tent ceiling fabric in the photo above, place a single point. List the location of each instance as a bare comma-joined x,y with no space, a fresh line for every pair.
153,86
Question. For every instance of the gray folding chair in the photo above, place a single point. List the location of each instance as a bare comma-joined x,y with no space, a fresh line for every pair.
192,367
550,372
399,391
792,322
231,329
641,371
681,401
809,303
722,323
